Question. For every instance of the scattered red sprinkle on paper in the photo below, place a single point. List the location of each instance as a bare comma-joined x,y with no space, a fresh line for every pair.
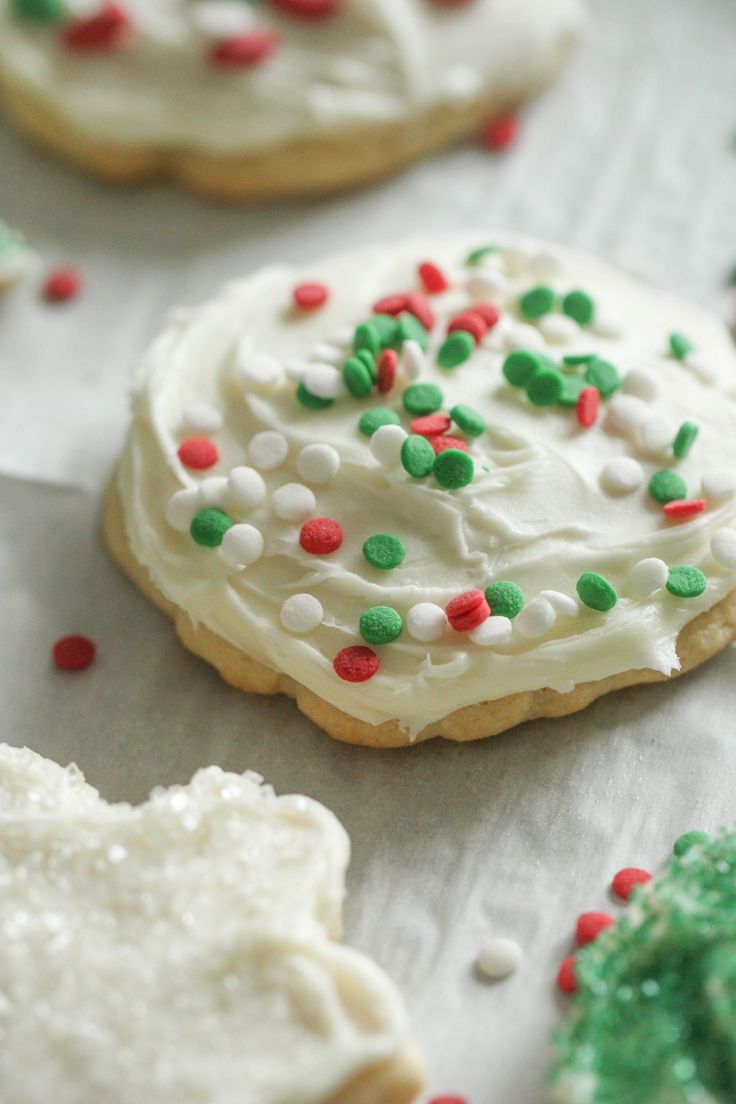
320,536
467,610
626,881
62,284
418,305
566,979
104,31
73,653
243,50
391,304
501,131
308,9
356,664
198,453
682,508
470,322
311,296
442,442
433,278
590,925
488,312
386,370
429,425
587,406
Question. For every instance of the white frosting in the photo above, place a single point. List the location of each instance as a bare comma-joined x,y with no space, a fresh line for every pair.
378,61
540,515
178,951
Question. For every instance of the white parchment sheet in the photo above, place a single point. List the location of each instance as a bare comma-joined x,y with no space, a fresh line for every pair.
632,156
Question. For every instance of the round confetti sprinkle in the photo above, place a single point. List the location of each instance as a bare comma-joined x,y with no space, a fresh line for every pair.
429,425
603,375
367,336
622,475
323,380
596,592
356,664
719,484
481,253
505,599
202,418
385,444
680,346
417,456
572,388
520,335
380,625
536,619
373,419
468,420
626,881
501,132
246,487
209,526
545,388
590,925
40,11
213,490
558,329
426,622
647,577
451,1099
453,469
467,610
386,370
320,536
181,508
587,406
73,653
681,509
494,630
301,613
413,360
418,305
310,296
723,547
666,486
293,502
411,329
641,383
580,306
561,603
241,51
198,453
104,31
310,401
566,979
471,322
489,312
455,349
318,463
370,362
656,434
432,277
242,545
308,9
499,958
268,450
537,301
384,551
391,304
685,439
686,582
626,412
357,377
441,442
689,839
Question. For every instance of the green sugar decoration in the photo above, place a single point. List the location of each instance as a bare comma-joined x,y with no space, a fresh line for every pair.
367,336
689,839
384,551
380,625
686,582
387,328
680,345
453,469
596,592
417,456
373,419
603,375
545,388
571,388
475,256
209,526
411,329
580,306
685,439
422,398
666,486
505,599
468,420
521,366
357,377
537,302
40,11
310,401
455,349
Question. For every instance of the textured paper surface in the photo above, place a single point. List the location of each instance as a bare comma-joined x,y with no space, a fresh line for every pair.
631,157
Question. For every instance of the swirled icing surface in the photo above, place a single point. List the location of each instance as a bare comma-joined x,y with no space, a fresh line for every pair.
372,62
542,510
180,950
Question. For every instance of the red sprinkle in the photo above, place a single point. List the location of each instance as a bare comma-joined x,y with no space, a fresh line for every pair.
386,370
311,296
488,312
590,925
73,653
243,50
433,278
682,508
566,979
418,305
429,425
441,443
628,879
470,322
198,453
450,1099
62,284
587,406
356,664
467,610
320,536
501,131
391,304
107,30
308,9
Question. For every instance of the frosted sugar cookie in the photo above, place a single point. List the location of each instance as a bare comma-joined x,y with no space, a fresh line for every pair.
438,488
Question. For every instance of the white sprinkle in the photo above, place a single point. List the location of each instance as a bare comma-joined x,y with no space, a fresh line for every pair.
318,463
494,630
268,450
323,380
221,18
385,444
426,622
647,577
482,286
412,361
520,335
499,958
641,383
622,475
559,329
461,83
329,354
212,491
203,418
293,502
701,365
181,508
562,603
343,337
657,434
626,412
242,545
723,547
258,371
301,613
246,487
536,619
295,369
719,484
606,324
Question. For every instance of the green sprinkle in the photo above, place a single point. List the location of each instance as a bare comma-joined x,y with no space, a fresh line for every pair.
411,329
537,301
455,349
373,419
312,402
367,336
680,345
521,366
579,305
603,375
545,388
453,469
423,398
731,279
40,11
384,551
209,526
469,420
357,377
477,255
571,388
689,839
380,625
596,592
666,486
388,329
685,439
575,359
505,599
686,582
369,360
417,456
